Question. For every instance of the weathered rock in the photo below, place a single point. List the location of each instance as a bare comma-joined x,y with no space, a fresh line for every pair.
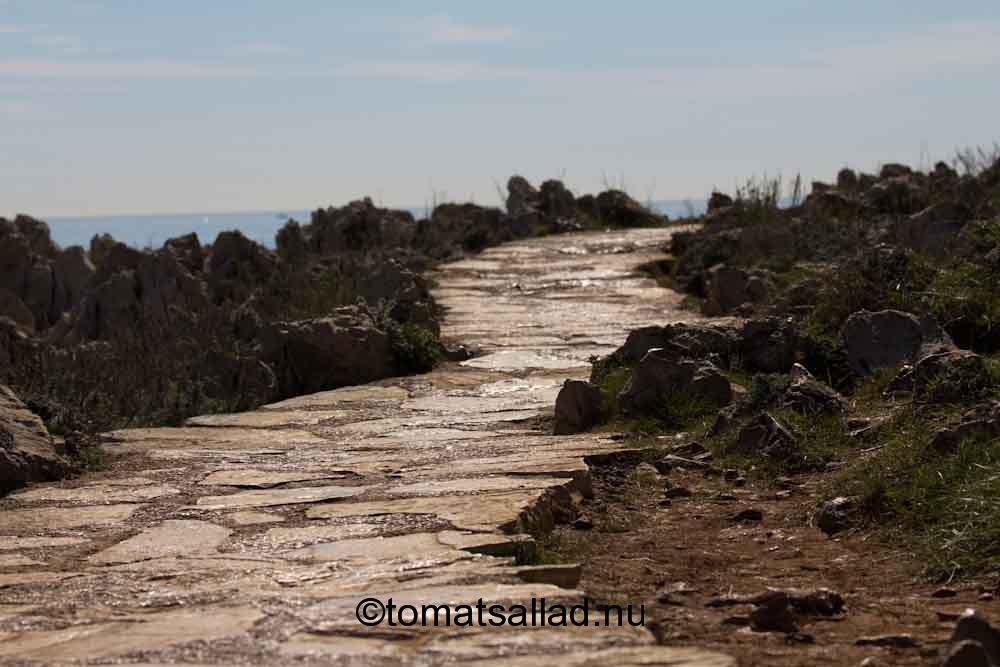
72,273
728,289
980,424
27,453
359,226
770,345
943,376
719,200
522,197
454,229
807,394
100,246
765,436
973,627
188,251
691,340
836,515
888,641
847,179
12,307
578,407
773,614
661,374
888,338
235,257
319,354
896,196
933,229
616,209
968,653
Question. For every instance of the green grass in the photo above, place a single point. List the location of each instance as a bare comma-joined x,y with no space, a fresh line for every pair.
943,506
541,551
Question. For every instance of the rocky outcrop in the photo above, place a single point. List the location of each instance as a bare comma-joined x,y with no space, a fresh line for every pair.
661,374
325,353
730,289
808,395
974,643
358,226
578,407
27,453
933,230
771,345
765,436
979,424
889,338
48,281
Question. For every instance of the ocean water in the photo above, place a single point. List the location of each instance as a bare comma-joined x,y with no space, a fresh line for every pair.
151,231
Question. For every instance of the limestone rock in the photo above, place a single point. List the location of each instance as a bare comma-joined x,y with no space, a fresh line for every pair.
889,338
26,451
661,374
578,407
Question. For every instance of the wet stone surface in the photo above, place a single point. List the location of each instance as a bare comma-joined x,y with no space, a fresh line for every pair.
250,538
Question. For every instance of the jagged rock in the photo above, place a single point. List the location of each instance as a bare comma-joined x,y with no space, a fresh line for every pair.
896,196
616,209
100,246
832,203
13,342
660,374
72,274
188,251
556,201
320,354
456,228
847,179
12,307
894,170
836,515
807,394
933,229
765,436
888,338
359,226
951,375
719,200
27,453
690,340
522,197
578,407
770,345
234,256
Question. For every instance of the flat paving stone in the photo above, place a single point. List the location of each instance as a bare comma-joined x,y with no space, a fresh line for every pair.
14,543
263,479
97,493
42,519
275,497
251,518
170,538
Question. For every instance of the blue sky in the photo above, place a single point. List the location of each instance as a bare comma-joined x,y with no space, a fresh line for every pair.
115,106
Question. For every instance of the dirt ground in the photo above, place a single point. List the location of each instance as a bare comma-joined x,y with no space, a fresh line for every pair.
676,556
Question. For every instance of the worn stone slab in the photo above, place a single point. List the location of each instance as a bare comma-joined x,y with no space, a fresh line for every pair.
467,485
146,632
14,543
482,512
97,493
263,479
15,560
269,418
56,518
325,399
250,518
275,497
170,538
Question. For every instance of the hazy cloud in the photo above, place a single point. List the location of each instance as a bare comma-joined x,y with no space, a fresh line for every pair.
153,70
445,30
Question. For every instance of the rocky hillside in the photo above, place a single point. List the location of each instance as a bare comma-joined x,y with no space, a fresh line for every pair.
861,344
112,336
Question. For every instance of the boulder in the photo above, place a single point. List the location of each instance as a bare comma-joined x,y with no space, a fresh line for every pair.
359,226
770,345
889,338
27,453
692,340
73,272
847,179
765,436
934,229
661,374
808,395
730,289
326,353
896,196
14,341
578,407
836,515
100,246
616,209
233,255
974,643
522,197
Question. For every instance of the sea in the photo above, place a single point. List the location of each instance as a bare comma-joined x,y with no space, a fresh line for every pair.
151,231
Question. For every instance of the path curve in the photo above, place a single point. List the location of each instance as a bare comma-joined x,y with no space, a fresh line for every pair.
251,538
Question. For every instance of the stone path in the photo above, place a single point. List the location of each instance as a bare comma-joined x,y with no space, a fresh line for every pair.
251,538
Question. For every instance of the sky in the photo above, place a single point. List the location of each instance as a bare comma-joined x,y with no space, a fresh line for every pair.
236,105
